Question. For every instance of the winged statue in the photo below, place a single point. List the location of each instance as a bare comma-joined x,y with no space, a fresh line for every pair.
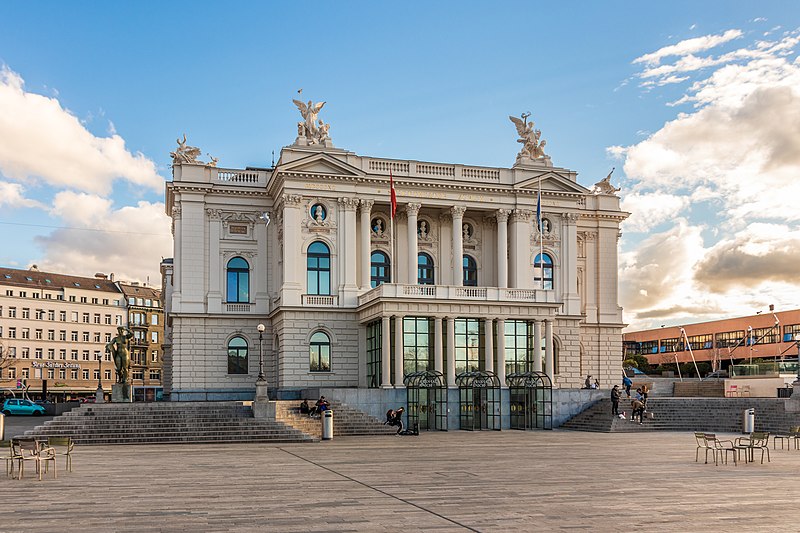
185,153
529,137
309,113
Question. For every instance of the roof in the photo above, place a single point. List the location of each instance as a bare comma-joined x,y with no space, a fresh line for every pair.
140,291
36,279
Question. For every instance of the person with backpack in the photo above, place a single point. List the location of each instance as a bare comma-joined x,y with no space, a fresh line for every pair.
627,383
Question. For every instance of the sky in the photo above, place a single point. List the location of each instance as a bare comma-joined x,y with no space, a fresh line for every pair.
695,104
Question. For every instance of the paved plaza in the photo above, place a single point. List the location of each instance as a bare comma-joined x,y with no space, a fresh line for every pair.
456,481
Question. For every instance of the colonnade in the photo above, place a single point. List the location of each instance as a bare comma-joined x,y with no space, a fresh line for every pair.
494,359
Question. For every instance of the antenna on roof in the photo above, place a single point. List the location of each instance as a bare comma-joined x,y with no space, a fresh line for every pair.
273,155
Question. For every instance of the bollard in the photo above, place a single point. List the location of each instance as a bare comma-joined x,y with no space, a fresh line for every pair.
749,420
327,424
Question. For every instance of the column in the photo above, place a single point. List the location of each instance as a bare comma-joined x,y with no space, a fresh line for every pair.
537,345
568,276
488,336
549,362
521,244
457,213
215,269
293,269
502,247
346,258
398,352
412,210
438,361
176,262
451,352
261,266
365,210
386,353
501,351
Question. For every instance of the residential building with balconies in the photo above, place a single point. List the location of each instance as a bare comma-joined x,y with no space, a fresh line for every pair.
145,316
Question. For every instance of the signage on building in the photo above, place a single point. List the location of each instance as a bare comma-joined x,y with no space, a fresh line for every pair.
53,364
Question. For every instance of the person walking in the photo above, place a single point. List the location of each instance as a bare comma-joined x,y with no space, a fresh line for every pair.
616,394
627,383
638,410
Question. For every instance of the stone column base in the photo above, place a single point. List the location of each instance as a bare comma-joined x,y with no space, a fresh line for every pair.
264,410
792,404
121,393
99,396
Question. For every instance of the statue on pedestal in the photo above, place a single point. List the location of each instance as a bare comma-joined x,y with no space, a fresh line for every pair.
313,130
185,153
532,144
604,185
118,347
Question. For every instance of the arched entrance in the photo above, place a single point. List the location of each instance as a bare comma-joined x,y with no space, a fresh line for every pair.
479,400
426,396
531,400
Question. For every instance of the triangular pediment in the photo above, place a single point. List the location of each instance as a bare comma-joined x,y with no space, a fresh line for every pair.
552,181
321,164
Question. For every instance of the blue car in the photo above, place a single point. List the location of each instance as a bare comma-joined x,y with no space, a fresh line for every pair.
15,406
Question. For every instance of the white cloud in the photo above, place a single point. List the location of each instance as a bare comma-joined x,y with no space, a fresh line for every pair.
689,46
12,195
648,210
131,242
40,140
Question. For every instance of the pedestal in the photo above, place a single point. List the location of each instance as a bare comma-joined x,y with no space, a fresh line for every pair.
262,407
792,404
121,393
99,396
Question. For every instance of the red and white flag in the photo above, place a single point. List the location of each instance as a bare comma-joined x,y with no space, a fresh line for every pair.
393,194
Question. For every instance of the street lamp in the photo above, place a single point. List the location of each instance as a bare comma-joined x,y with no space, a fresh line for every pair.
261,329
797,343
99,396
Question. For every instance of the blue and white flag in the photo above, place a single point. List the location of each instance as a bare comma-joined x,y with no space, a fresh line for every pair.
539,210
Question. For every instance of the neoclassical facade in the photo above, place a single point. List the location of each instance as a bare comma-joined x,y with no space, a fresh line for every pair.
461,279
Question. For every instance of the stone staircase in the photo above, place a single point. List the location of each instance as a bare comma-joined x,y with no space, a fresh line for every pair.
347,421
688,414
167,423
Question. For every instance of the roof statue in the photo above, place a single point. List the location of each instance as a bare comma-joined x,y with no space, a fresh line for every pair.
530,138
604,185
312,129
185,153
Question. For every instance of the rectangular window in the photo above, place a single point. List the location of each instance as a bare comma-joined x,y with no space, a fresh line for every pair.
74,374
74,316
62,335
97,355
766,335
96,318
62,374
51,315
417,342
519,346
74,336
62,354
51,334
38,353
85,318
138,375
12,373
107,375
153,320
97,336
118,320
85,373
26,333
790,332
26,353
73,355
155,375
154,336
9,292
95,301
108,338
83,299
62,316
12,312
85,336
96,374
672,345
107,319
468,343
729,339
51,353
40,314
154,356
85,355
39,334
12,333
50,373
26,373
26,313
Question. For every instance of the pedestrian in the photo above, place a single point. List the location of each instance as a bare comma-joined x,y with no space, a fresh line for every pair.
588,383
638,410
616,394
645,392
627,383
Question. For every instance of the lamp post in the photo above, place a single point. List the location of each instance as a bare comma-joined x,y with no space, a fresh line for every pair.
797,343
99,396
261,329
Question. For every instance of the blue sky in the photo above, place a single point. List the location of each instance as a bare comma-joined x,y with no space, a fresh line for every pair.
94,96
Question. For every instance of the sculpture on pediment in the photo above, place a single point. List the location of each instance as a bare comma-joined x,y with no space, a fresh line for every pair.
185,153
530,138
213,160
313,129
604,185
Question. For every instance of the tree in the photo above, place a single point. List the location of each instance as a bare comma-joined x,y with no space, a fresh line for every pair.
637,361
5,362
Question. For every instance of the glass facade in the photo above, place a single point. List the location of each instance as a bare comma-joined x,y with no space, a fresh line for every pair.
374,345
417,344
519,346
468,345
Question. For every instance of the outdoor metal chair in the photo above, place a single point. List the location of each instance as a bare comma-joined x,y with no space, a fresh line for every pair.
758,440
62,446
7,453
31,450
721,448
731,391
702,444
792,435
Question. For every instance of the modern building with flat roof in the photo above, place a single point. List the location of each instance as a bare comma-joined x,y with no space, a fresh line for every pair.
359,292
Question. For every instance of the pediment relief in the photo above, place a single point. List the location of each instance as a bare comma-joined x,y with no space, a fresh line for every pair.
322,164
552,181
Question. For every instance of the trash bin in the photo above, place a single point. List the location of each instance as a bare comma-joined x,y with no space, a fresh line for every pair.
327,424
749,420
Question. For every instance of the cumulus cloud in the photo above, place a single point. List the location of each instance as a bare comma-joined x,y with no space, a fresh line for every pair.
734,158
131,243
42,141
13,195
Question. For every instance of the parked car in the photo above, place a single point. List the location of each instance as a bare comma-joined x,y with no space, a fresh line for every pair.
14,406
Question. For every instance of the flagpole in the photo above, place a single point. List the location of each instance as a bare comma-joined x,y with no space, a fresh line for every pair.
541,233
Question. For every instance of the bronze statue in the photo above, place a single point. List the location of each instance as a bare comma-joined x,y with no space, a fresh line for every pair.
118,347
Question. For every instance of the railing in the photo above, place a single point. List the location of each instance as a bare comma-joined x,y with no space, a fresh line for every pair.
488,174
386,166
757,369
320,301
436,170
238,308
238,176
447,292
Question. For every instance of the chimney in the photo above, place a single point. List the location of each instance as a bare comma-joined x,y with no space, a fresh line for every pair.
100,275
112,276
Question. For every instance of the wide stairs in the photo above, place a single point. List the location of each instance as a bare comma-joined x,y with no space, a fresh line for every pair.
347,421
167,423
687,414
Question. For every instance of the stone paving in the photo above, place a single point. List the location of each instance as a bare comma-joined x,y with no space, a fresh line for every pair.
456,481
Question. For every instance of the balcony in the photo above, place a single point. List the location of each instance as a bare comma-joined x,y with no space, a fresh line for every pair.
448,292
239,308
316,300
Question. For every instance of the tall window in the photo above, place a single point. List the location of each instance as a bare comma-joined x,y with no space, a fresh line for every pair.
320,352
519,346
379,269
543,272
374,346
425,269
319,268
470,272
468,339
237,356
238,280
416,344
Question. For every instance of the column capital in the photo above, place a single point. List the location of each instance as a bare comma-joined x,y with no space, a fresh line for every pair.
213,214
348,204
502,215
176,212
522,215
365,206
570,218
412,209
457,211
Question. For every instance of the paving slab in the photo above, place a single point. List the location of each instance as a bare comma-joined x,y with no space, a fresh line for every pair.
454,481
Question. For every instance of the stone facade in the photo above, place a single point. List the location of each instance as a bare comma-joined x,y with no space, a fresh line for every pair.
353,298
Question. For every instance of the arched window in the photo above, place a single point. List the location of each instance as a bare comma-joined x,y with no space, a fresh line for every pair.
470,272
238,280
319,268
425,269
543,272
237,356
379,269
320,352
